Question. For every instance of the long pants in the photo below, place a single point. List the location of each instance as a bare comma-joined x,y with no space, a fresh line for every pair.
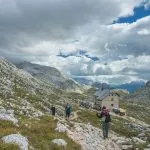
53,113
105,127
67,114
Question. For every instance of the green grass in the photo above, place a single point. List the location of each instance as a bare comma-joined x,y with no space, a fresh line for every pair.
141,146
40,133
19,91
137,110
88,117
117,125
4,146
7,128
74,95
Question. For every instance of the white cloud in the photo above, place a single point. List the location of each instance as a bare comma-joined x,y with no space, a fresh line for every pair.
147,4
39,30
143,32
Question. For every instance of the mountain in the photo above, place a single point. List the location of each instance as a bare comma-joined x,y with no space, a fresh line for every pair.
130,87
26,121
28,95
99,85
50,75
141,95
83,80
91,83
22,92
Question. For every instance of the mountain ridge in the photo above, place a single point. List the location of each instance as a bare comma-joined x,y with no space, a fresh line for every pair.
51,75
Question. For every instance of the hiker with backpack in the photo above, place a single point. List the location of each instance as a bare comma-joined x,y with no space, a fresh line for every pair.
106,119
53,110
68,111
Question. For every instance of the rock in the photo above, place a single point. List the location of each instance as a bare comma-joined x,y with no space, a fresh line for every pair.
148,146
123,141
9,116
144,138
60,142
17,139
138,141
90,138
127,147
10,111
141,135
2,110
60,127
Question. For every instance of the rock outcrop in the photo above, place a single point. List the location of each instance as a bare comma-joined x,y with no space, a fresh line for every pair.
17,139
7,115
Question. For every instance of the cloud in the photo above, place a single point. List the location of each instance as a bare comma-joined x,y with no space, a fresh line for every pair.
39,30
144,32
25,23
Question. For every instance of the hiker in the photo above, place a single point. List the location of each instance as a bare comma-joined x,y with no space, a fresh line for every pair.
106,119
53,109
68,111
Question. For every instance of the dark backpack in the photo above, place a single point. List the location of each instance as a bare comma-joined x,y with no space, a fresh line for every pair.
108,118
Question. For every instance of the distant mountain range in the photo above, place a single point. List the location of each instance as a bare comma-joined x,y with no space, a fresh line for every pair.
130,87
83,80
141,95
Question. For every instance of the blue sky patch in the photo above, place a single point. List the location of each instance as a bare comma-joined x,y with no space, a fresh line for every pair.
79,53
139,12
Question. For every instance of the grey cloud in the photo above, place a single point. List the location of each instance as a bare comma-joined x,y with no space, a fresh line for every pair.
24,23
122,39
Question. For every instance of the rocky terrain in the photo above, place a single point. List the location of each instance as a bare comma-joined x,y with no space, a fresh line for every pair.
26,121
141,95
51,75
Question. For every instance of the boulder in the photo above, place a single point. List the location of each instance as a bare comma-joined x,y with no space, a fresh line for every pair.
127,147
123,141
61,127
9,116
17,139
148,146
141,135
59,142
138,141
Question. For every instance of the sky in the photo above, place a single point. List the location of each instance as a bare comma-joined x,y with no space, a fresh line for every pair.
101,40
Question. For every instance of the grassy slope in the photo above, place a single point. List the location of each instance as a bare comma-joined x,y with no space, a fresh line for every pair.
40,133
140,111
117,124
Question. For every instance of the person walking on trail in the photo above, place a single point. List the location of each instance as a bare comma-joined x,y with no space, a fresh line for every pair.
53,109
68,111
106,119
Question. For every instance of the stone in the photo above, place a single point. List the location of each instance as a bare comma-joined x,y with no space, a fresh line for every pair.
127,147
138,141
141,135
59,142
17,139
90,138
60,127
9,117
123,141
